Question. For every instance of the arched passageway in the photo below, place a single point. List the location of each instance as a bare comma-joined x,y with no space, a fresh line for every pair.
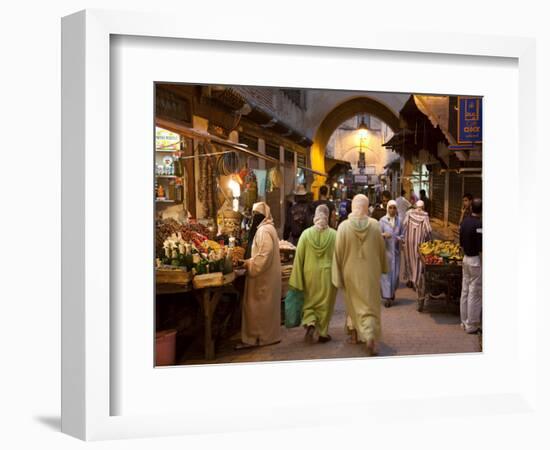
341,113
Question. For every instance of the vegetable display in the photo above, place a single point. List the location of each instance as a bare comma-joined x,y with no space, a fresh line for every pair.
437,251
191,232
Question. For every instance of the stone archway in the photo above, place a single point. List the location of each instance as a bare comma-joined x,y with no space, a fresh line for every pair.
334,119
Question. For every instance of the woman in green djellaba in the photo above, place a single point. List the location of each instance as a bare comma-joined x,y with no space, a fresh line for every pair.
311,274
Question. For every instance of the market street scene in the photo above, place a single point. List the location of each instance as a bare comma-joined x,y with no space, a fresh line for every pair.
300,224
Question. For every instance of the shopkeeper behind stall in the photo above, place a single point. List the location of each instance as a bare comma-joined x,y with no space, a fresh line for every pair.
261,315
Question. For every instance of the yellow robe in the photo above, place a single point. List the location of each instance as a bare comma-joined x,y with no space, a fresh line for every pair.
359,261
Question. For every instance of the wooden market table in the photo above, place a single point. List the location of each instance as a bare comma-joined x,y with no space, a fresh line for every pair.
439,279
208,299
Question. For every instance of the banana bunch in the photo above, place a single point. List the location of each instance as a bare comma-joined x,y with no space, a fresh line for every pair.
444,249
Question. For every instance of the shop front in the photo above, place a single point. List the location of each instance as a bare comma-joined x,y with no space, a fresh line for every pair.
211,166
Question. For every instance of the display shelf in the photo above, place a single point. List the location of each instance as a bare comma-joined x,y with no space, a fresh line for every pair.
159,200
167,176
166,150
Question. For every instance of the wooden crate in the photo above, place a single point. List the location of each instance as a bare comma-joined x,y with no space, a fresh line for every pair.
212,280
173,276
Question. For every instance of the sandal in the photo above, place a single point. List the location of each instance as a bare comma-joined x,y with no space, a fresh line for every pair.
324,339
310,331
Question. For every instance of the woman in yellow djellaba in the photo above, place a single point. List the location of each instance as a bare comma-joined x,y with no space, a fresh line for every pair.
311,274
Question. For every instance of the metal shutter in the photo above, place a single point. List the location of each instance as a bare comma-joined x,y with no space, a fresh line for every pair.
438,194
455,197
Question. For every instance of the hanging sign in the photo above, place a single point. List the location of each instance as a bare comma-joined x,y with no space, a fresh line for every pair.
469,120
360,179
166,140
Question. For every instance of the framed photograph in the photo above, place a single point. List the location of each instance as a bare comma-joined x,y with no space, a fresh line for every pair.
243,225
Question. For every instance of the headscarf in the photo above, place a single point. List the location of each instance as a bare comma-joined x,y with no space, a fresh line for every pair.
419,204
261,214
391,219
359,207
320,221
263,208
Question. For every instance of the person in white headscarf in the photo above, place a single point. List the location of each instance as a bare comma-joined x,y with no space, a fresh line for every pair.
359,261
261,310
312,272
392,232
416,230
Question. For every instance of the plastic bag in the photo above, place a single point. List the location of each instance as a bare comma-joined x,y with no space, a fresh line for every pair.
294,304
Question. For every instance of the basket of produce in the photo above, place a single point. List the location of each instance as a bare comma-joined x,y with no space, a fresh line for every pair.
287,251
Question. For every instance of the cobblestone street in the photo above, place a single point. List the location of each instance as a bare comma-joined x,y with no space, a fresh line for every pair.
405,331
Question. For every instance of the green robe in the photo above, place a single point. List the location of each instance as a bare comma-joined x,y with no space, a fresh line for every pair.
311,273
359,261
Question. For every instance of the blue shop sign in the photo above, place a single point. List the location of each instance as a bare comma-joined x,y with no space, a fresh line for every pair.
469,119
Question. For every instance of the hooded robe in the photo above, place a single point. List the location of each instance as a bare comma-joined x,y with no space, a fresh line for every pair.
416,230
261,315
390,280
312,273
359,261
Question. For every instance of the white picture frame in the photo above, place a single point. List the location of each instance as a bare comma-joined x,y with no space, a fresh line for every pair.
86,246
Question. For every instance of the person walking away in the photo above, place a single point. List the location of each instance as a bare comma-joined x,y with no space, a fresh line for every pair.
298,217
323,200
427,202
359,261
261,313
466,207
311,274
402,205
471,243
392,232
344,207
417,229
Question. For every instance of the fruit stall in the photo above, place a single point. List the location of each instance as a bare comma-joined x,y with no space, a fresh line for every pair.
441,273
194,267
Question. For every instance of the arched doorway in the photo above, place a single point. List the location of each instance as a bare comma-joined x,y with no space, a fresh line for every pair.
332,121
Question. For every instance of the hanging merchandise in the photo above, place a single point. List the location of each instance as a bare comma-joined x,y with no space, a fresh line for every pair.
207,179
274,179
261,176
228,163
250,191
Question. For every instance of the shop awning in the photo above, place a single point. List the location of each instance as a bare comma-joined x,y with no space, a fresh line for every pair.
436,108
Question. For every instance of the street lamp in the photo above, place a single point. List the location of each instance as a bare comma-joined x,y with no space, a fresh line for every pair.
363,129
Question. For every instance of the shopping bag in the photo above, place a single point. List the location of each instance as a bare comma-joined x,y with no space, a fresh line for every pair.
294,304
